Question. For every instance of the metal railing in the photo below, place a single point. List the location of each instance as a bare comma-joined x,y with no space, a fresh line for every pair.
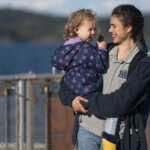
28,105
24,102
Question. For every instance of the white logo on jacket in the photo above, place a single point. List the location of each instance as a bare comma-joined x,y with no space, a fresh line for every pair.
123,74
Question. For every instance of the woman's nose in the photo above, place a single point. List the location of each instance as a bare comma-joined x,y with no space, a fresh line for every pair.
110,29
93,32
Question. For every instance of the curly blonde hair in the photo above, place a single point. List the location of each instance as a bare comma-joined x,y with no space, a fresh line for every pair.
76,19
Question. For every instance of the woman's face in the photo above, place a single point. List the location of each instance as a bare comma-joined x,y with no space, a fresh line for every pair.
119,33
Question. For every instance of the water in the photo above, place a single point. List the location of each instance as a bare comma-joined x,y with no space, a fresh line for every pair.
24,57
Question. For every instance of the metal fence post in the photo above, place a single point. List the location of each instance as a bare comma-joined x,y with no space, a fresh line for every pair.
19,113
47,118
6,118
29,132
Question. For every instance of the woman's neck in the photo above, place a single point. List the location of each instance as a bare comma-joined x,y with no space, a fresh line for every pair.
124,49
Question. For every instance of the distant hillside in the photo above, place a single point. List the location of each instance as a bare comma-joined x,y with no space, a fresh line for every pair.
20,25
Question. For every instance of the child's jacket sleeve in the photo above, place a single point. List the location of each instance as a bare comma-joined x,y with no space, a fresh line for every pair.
63,56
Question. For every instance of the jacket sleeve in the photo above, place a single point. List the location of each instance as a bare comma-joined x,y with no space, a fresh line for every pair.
97,58
63,56
65,94
119,102
123,100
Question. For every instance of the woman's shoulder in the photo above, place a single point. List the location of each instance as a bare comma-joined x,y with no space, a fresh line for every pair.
144,65
146,58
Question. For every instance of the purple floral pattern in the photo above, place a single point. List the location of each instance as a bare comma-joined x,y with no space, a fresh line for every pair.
84,65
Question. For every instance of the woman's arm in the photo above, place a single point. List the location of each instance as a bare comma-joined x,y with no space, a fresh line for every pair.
122,100
69,98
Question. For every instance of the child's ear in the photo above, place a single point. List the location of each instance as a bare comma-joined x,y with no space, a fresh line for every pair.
76,30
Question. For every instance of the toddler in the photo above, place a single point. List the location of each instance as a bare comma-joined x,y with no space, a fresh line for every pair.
82,62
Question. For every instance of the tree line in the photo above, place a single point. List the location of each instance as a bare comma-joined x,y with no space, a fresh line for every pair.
19,25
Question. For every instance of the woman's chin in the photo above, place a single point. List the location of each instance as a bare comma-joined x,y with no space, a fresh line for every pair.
115,41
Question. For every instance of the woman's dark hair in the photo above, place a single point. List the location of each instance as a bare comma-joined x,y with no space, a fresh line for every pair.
129,15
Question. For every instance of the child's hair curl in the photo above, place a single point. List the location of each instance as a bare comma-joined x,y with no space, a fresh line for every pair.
76,19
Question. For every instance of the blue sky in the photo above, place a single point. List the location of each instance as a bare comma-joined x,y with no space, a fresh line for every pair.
65,7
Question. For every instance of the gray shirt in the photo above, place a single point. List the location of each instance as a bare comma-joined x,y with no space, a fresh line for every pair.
112,80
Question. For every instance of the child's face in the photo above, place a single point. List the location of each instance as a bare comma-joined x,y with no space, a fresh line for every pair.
86,30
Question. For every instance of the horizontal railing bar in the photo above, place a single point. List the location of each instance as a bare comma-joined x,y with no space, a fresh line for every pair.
29,76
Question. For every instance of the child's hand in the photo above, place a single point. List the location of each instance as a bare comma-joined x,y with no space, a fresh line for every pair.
101,43
100,38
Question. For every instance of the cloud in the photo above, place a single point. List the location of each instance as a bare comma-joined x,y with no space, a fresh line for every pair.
65,7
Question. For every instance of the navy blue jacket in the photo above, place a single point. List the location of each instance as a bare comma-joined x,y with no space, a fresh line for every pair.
132,99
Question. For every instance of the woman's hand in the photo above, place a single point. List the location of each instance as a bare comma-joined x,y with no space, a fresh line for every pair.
76,105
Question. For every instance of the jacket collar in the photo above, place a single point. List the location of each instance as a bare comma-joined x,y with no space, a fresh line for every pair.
132,52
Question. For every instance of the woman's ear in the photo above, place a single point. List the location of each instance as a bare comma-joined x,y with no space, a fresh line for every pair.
129,29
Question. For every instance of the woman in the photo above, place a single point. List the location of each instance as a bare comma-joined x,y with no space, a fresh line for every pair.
126,27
